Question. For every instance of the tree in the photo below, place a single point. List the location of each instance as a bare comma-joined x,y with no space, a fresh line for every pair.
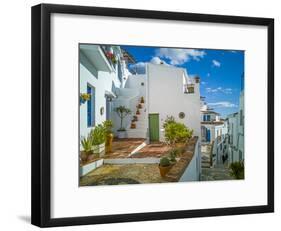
122,112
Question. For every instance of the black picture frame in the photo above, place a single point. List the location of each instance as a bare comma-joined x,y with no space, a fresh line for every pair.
41,111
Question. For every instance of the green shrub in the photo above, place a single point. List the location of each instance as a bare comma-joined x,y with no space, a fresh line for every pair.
164,162
98,135
168,120
237,170
108,125
177,133
87,144
173,154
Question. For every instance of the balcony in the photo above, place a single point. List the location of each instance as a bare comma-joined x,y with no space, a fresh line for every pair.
189,88
96,56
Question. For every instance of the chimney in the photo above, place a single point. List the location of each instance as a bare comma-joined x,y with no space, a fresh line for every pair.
197,79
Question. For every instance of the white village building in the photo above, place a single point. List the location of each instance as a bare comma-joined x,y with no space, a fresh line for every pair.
167,91
235,144
214,132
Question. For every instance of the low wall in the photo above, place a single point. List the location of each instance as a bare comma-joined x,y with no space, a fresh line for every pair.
187,168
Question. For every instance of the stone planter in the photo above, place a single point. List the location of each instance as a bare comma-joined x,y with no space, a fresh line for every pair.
121,134
99,149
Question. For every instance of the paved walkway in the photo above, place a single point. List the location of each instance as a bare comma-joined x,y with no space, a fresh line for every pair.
122,148
220,172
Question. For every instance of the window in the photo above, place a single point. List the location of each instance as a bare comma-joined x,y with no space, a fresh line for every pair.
206,117
91,106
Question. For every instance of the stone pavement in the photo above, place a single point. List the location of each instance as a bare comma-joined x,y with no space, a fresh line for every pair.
219,172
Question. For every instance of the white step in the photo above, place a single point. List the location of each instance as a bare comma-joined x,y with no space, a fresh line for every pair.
134,133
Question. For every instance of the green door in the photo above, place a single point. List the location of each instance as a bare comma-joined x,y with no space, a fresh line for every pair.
154,127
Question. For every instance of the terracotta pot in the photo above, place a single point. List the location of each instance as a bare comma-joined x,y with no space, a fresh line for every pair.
92,156
84,156
108,143
164,170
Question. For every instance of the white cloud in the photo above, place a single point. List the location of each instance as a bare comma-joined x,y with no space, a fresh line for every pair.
222,104
203,83
138,67
157,60
208,74
218,89
180,56
216,63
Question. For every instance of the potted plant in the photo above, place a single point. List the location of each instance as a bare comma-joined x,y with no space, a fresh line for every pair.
176,133
139,106
237,170
138,112
122,112
135,118
86,143
142,99
98,139
164,166
108,125
133,125
172,155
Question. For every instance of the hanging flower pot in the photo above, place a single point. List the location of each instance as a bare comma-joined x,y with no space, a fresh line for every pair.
84,97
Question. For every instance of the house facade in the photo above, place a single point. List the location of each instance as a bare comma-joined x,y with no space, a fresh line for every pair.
100,76
162,91
236,133
214,133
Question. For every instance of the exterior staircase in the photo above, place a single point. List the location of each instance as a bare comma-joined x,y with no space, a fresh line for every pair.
138,126
219,172
205,155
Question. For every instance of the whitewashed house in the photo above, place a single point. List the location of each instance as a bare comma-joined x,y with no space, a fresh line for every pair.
235,144
100,75
214,132
167,91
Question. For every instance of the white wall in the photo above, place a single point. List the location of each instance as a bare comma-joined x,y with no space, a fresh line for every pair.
192,172
15,215
166,97
101,83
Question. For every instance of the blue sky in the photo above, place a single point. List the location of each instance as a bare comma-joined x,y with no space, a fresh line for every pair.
220,71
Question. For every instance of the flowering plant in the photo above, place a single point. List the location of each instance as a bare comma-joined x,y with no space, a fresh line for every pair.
84,97
111,57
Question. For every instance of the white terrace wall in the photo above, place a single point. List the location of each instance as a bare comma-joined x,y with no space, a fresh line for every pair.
166,96
192,172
